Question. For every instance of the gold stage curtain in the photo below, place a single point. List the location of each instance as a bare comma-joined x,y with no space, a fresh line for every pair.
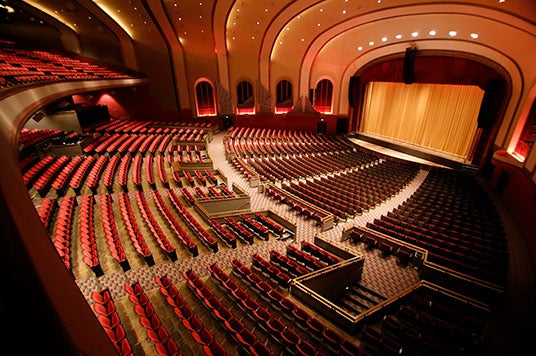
443,118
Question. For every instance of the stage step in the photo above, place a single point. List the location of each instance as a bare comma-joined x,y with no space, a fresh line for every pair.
470,169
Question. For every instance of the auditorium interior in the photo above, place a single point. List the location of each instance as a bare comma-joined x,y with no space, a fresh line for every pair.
268,177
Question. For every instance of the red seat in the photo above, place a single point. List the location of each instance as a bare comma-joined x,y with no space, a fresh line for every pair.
304,348
349,349
234,325
251,305
223,314
332,339
203,336
276,328
262,315
260,349
194,324
290,339
215,349
246,338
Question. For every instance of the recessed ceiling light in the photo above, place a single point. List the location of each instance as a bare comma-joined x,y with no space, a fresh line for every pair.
432,33
414,34
474,35
344,11
452,33
359,48
303,39
384,39
371,43
398,36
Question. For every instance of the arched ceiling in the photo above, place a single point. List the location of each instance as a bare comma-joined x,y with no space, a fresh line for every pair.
265,41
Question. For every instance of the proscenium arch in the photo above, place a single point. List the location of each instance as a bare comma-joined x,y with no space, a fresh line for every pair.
504,65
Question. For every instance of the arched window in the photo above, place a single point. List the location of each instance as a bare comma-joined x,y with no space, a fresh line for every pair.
284,100
245,99
528,135
323,96
204,99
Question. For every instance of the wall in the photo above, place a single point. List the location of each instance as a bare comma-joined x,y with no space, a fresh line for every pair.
518,193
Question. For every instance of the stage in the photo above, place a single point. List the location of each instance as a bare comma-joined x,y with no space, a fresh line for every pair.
409,152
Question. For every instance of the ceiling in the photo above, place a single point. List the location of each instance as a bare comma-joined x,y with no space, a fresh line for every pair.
179,42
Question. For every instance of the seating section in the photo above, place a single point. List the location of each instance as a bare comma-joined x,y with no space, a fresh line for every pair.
322,254
46,211
270,270
154,226
63,229
287,264
243,233
276,155
351,193
199,332
133,230
301,206
426,323
108,317
149,319
45,179
304,258
192,223
33,138
111,235
61,181
36,169
125,171
177,228
452,217
225,234
291,311
22,66
80,174
87,233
